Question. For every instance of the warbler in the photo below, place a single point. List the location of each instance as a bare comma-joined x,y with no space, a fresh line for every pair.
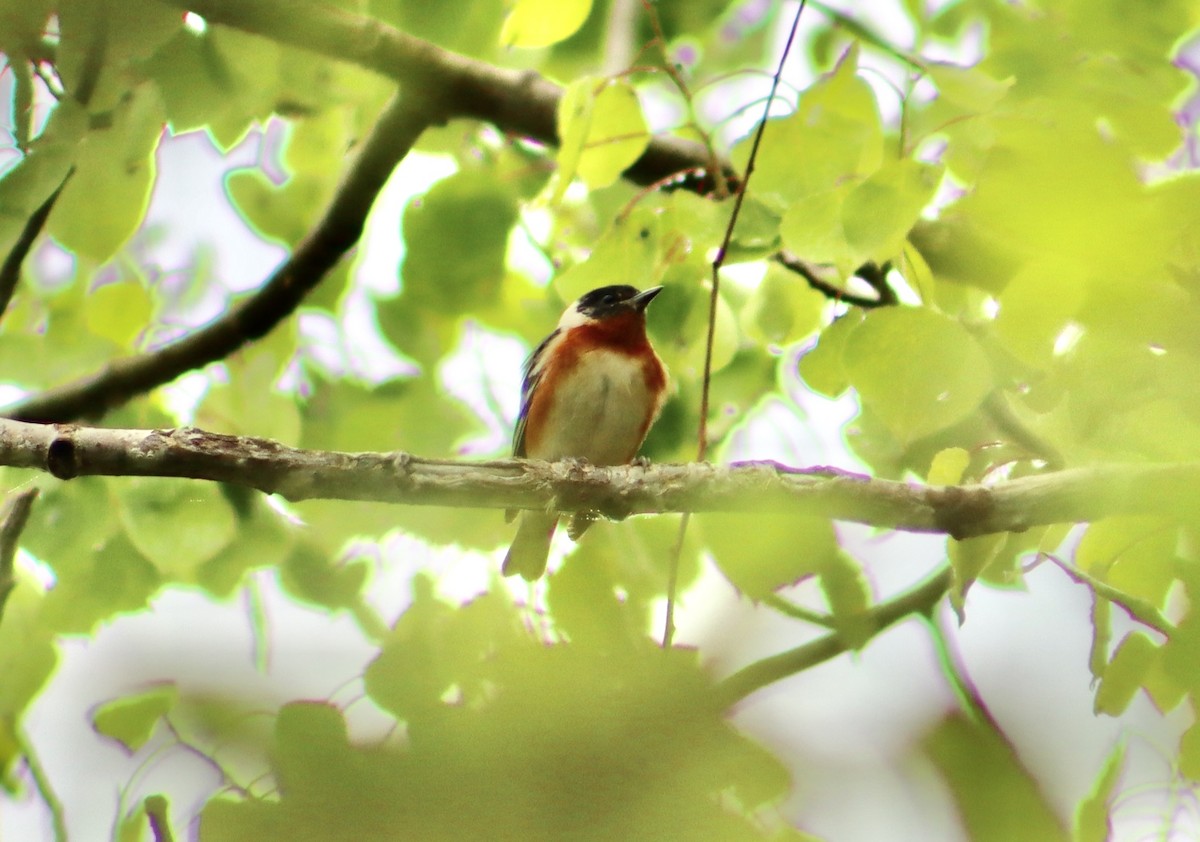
592,389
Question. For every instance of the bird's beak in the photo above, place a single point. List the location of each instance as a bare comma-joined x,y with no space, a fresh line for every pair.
642,300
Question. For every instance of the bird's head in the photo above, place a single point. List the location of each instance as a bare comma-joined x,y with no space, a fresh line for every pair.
607,303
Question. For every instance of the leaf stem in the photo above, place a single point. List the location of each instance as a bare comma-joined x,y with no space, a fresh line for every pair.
41,782
714,293
755,676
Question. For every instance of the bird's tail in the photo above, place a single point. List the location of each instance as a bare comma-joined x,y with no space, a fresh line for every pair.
531,548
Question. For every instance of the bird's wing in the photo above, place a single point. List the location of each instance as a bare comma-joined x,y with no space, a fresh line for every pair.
534,366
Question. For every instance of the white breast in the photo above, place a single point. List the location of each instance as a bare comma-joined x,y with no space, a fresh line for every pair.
599,412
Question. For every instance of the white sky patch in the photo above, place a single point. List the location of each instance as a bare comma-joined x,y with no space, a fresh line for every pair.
181,397
381,248
1067,339
484,372
524,253
41,572
193,23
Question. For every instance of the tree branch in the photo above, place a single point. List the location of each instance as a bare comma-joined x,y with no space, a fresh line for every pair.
518,102
872,274
10,269
920,600
1077,495
402,122
13,518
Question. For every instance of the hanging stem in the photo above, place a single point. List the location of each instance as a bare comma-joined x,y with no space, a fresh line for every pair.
718,262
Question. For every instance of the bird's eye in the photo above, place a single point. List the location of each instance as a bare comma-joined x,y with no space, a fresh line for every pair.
609,299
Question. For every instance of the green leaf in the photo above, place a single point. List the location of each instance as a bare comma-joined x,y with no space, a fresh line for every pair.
997,799
264,539
782,309
1134,657
27,184
878,213
313,156
1189,752
969,558
112,577
968,87
822,367
603,132
919,370
27,653
948,466
177,524
440,272
763,552
835,137
1093,816
311,575
628,252
104,202
813,227
540,23
130,30
119,311
725,337
1035,307
130,720
848,594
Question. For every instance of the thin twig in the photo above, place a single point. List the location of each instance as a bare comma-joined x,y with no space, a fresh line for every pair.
719,259
402,122
996,407
10,270
1139,609
797,612
886,295
660,40
41,782
12,523
89,76
714,294
755,676
956,673
673,581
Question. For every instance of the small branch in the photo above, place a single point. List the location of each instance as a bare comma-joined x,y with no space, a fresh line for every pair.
402,122
798,612
713,296
1139,609
1071,496
886,296
41,782
13,518
920,600
10,270
997,409
89,75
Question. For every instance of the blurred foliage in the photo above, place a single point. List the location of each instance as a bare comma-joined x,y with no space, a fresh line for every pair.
1039,202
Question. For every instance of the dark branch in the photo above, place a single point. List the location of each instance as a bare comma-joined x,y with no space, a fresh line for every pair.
10,270
394,134
874,275
12,523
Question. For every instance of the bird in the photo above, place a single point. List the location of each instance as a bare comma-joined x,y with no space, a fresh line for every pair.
591,391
